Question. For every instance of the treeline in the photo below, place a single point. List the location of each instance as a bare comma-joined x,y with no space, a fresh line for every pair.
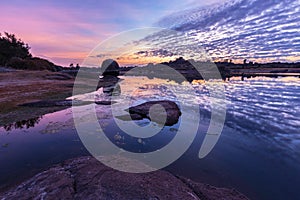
14,53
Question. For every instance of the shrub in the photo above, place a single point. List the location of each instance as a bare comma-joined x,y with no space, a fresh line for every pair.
11,47
31,64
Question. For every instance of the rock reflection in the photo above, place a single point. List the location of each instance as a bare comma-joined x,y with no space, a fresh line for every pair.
109,81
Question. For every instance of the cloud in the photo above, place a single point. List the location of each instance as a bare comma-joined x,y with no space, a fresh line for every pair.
156,53
240,29
234,29
101,55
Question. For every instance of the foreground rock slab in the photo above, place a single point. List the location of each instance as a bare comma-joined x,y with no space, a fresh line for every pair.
86,178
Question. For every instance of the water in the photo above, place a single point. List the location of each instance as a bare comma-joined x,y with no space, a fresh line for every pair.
258,151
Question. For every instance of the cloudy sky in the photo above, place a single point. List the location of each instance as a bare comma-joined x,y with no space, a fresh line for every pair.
67,31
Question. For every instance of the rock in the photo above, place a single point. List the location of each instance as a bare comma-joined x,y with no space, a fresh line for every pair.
105,102
110,67
114,90
64,103
86,178
130,117
58,76
142,111
206,191
108,82
50,103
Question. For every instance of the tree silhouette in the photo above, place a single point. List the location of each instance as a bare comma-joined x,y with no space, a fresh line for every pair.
11,47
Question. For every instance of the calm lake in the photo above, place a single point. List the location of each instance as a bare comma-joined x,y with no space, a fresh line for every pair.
258,152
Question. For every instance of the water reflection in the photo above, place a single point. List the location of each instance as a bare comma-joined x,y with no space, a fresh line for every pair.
23,124
259,147
110,85
110,79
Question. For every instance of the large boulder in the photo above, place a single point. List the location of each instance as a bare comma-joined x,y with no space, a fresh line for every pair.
86,178
110,67
163,112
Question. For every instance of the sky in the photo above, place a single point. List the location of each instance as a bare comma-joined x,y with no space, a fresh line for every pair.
68,31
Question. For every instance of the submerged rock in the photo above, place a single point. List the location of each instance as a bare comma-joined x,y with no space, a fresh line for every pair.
154,110
86,178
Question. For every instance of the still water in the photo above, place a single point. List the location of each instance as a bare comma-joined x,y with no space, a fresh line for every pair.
258,152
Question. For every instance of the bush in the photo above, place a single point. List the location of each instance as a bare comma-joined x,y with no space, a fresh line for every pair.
43,64
17,63
11,47
31,64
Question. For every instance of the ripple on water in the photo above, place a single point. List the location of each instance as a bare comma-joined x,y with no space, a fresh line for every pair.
267,108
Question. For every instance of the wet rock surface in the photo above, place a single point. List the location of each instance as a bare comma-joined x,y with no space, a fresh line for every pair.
86,178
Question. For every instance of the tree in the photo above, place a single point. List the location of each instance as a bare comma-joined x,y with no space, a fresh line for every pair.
11,47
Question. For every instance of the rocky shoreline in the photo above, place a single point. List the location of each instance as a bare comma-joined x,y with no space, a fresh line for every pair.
86,178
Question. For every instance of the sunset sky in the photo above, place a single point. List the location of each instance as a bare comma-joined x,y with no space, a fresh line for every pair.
67,31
